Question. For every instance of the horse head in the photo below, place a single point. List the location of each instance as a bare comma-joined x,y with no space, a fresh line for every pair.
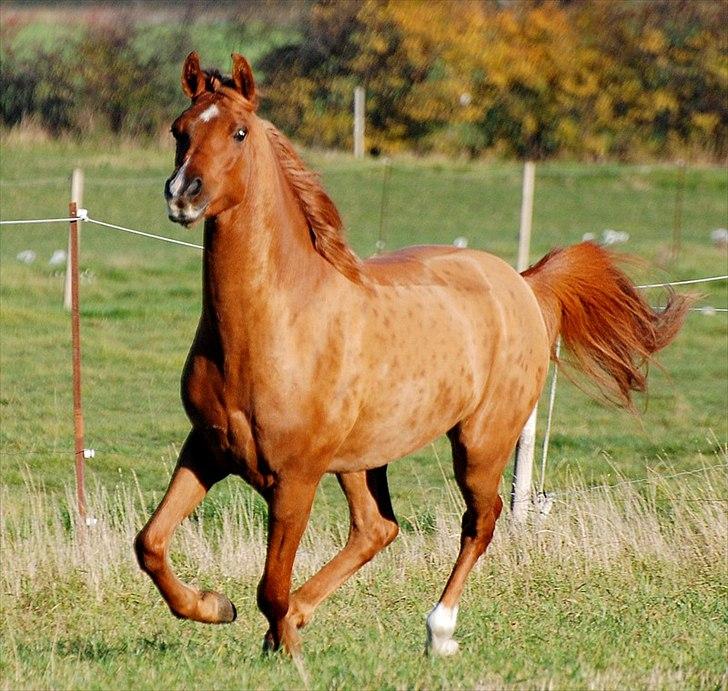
213,141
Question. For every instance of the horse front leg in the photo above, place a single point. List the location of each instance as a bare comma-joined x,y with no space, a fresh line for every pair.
289,506
192,478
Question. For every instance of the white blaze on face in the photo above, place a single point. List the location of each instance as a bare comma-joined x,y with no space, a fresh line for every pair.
440,628
209,113
178,183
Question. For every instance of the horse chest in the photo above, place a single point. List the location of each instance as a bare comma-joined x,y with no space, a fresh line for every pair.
215,406
257,429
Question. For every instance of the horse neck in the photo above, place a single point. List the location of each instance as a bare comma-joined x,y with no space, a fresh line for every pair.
259,262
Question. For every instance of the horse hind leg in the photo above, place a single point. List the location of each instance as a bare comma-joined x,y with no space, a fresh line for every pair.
373,526
478,469
191,480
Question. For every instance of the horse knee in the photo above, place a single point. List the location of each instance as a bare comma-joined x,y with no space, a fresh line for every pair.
376,536
149,552
385,532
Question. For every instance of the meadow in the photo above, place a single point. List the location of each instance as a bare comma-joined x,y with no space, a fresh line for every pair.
620,587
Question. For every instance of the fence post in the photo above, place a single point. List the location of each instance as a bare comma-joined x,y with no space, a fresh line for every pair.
359,122
523,464
76,198
76,359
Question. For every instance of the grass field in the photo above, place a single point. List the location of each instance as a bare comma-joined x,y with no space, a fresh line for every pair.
625,588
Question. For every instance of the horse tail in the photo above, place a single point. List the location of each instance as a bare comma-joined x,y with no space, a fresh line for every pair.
608,328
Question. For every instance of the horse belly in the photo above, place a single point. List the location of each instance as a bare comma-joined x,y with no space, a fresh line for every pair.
379,439
427,377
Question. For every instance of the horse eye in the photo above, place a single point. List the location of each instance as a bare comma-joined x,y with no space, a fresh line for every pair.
240,134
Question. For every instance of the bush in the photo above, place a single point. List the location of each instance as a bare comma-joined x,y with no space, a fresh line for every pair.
135,93
98,81
41,90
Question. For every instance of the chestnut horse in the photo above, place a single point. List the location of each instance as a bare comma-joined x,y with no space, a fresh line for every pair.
308,360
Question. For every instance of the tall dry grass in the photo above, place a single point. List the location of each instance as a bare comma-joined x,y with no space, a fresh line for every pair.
661,521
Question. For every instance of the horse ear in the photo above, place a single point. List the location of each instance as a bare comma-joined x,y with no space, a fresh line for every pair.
243,78
193,78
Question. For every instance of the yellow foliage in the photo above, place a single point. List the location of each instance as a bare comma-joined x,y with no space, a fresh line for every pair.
706,123
653,42
524,78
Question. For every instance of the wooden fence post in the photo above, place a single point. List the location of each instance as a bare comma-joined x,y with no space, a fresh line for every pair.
76,359
523,464
359,122
76,198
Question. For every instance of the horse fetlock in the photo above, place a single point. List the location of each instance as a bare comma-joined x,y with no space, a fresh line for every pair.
299,615
299,619
273,602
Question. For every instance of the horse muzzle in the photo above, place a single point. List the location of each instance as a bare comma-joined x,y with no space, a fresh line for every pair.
184,198
185,215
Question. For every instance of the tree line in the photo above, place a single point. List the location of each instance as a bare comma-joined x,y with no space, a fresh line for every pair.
511,78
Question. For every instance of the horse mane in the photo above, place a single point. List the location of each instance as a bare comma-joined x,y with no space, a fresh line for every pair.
216,79
324,221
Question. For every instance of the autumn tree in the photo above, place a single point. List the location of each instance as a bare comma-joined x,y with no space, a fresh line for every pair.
530,79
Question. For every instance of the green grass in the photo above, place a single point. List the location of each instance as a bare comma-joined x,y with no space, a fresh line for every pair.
578,626
606,594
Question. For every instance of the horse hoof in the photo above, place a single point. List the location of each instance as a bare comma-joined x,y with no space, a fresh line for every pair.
269,645
234,613
225,612
444,648
290,646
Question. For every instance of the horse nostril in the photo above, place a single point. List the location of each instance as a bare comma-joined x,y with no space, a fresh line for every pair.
167,191
194,187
